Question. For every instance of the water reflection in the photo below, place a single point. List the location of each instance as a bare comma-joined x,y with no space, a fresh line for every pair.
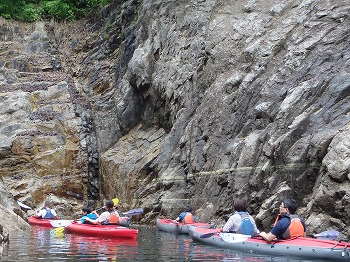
40,244
151,245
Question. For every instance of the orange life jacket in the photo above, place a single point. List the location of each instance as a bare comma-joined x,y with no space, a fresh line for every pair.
113,218
188,219
295,229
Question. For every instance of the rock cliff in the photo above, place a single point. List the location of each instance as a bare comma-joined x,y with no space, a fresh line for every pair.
182,102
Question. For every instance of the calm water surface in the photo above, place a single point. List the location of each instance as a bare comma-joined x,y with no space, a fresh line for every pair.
151,245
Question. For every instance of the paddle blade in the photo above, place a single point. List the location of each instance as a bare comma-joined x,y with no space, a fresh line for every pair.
132,212
329,234
234,238
58,230
60,223
115,201
23,206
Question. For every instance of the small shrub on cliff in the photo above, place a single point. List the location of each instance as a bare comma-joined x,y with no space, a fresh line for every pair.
32,10
59,10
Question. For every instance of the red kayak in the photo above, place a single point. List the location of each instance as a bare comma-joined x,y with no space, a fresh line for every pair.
102,230
169,225
39,221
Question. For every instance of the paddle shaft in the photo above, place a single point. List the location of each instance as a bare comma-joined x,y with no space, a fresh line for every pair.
115,202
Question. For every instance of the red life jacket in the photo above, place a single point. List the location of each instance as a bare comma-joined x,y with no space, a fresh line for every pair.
188,219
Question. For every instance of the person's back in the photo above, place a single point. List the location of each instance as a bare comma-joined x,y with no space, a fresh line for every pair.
295,228
186,217
87,214
113,219
241,221
110,216
47,212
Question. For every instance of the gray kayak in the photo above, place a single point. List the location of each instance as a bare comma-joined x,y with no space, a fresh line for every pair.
301,247
171,226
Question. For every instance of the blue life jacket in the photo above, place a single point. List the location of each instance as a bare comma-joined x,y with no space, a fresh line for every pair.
48,214
246,227
91,216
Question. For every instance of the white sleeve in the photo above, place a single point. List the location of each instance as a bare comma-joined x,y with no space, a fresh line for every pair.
41,213
103,217
232,224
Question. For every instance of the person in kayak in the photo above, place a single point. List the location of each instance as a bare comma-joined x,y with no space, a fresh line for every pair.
186,217
110,216
241,222
47,212
86,211
287,225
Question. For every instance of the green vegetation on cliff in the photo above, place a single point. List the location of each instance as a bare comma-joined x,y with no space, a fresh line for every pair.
32,10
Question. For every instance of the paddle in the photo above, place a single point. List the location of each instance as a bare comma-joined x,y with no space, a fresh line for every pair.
132,212
23,206
217,233
235,238
207,235
115,202
61,223
329,234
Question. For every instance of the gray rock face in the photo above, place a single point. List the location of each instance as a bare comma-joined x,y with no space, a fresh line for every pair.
190,102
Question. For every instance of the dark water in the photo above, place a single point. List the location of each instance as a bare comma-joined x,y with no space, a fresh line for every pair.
151,245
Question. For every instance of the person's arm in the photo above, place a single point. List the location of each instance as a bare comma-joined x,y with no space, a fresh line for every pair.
40,214
180,217
275,231
92,221
267,236
95,221
54,214
94,212
256,230
99,219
